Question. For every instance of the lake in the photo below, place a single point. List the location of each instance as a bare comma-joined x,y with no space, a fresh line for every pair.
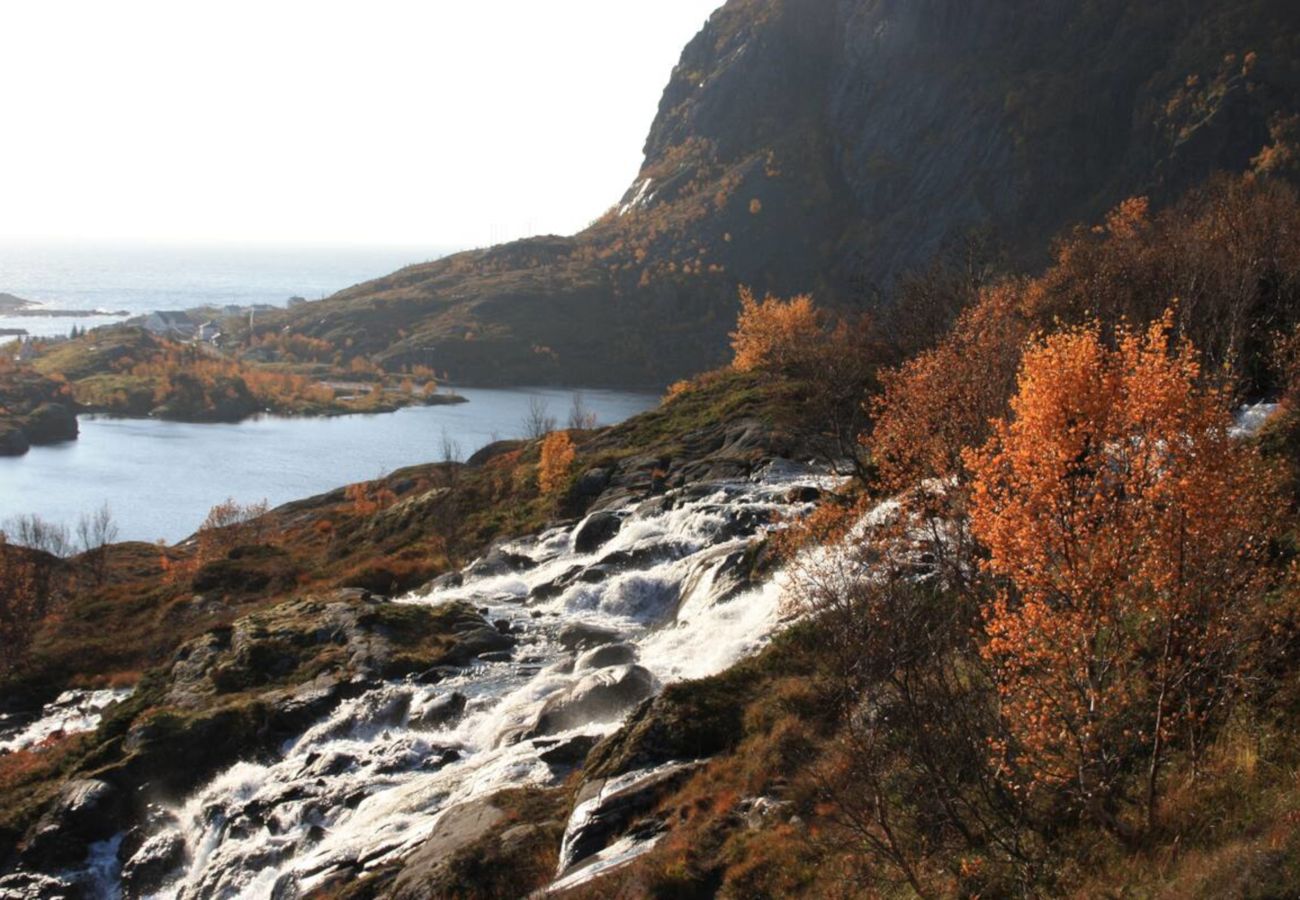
161,478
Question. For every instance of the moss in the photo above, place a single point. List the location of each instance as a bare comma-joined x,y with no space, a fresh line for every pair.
703,718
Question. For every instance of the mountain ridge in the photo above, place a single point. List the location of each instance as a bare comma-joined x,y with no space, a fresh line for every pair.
834,148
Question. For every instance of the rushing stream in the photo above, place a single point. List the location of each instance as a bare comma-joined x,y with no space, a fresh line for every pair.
598,629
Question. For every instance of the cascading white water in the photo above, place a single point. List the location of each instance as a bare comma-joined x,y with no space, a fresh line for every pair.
72,712
368,784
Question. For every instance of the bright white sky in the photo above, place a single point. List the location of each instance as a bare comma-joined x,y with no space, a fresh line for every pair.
370,121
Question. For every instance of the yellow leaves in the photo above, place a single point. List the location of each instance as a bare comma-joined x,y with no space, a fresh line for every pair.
1113,502
556,462
774,334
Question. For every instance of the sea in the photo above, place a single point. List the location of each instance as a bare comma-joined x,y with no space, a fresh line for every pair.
140,278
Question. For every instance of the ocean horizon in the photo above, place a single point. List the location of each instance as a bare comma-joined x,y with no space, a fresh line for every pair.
140,278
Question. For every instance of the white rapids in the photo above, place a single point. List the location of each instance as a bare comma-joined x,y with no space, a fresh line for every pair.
367,785
72,712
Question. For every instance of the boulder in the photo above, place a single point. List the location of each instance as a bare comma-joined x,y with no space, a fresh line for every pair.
456,829
583,636
499,562
569,752
605,657
601,696
438,713
595,531
154,863
87,810
803,493
606,808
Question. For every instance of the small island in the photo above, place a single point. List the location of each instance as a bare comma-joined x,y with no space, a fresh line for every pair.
130,372
17,306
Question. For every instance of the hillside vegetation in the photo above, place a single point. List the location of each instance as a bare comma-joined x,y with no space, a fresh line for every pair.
1072,671
126,371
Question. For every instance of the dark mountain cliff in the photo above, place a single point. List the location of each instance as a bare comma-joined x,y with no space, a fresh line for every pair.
831,146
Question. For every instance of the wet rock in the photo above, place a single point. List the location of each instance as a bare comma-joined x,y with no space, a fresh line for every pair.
606,656
154,863
597,530
556,586
31,886
497,656
601,696
499,562
439,713
375,711
285,888
446,582
86,811
566,753
605,809
583,636
597,573
459,827
478,640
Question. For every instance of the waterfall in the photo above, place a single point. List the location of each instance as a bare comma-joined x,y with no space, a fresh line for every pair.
606,612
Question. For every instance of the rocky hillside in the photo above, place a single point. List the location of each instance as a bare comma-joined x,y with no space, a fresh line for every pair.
834,147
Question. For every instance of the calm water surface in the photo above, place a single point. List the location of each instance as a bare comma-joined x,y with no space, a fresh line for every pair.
161,478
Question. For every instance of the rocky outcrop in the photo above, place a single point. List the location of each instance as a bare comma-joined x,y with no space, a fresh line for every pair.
86,811
238,692
34,411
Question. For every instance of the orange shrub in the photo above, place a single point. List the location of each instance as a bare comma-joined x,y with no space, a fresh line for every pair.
1128,528
772,334
557,460
939,403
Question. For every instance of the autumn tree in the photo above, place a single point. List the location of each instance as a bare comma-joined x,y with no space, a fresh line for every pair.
229,525
774,335
556,462
940,402
1227,252
1126,526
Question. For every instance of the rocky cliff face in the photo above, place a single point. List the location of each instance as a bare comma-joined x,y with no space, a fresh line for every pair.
832,145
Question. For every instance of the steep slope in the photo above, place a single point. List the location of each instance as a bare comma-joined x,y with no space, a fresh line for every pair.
832,146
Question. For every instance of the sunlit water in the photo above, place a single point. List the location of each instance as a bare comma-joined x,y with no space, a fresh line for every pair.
160,478
137,278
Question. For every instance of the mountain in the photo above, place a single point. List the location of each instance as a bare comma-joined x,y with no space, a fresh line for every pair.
833,146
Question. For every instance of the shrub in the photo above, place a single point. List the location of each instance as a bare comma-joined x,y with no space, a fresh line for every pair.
774,335
557,461
1128,528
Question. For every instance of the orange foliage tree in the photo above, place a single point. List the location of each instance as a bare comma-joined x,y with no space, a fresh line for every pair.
772,334
1126,527
941,401
557,459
